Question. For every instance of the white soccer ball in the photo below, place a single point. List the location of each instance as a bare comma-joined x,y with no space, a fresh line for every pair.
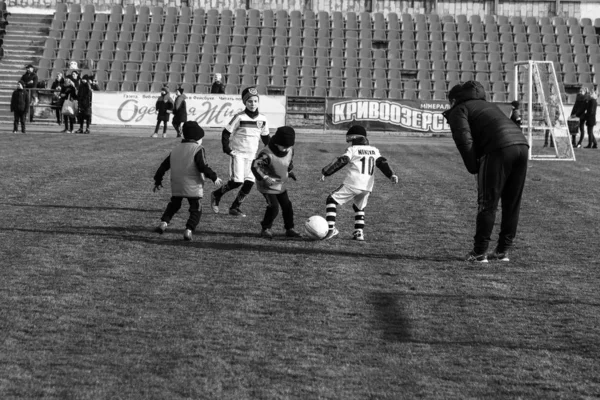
316,227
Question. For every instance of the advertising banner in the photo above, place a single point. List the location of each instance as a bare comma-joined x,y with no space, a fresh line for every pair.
209,110
390,115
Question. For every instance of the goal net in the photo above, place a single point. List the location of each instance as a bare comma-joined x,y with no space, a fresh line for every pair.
544,120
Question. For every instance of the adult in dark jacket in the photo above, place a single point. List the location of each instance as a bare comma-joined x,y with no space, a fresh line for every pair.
495,149
30,79
84,97
179,110
164,106
579,110
590,120
19,105
68,92
56,87
218,86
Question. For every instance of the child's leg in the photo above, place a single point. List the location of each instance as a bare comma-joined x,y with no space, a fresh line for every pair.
271,212
331,212
157,126
16,121
242,194
88,122
195,214
23,119
172,208
286,209
359,218
165,127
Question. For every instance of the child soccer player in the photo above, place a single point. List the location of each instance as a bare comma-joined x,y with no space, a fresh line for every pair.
188,166
240,142
362,159
272,168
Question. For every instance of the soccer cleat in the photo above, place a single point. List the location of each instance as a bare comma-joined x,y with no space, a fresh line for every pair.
214,202
499,256
292,233
236,212
266,233
187,235
154,135
476,258
161,228
332,232
358,235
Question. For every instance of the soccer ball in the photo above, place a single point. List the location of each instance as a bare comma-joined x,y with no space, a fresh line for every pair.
316,227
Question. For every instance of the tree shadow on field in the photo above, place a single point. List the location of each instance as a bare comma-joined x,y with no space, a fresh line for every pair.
390,317
131,234
71,207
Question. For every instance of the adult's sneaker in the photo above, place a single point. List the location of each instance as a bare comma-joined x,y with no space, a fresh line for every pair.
358,235
236,212
476,258
154,135
214,202
292,233
161,228
499,256
266,233
187,235
332,232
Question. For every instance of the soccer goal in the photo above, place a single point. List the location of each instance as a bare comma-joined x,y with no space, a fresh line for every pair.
537,85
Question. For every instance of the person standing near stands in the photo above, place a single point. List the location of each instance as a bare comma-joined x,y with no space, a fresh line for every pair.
579,110
217,87
68,92
30,79
164,106
590,120
19,106
179,110
495,149
56,87
85,104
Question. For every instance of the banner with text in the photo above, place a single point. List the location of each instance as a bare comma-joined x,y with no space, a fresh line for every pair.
209,110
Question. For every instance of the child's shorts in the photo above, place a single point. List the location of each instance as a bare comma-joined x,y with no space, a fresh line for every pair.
240,168
344,194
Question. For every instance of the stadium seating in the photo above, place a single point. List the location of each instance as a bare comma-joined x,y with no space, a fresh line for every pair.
307,54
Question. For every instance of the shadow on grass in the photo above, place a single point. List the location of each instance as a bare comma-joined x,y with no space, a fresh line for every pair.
271,246
69,207
390,317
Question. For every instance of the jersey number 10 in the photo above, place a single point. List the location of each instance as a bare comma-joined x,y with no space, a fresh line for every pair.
368,165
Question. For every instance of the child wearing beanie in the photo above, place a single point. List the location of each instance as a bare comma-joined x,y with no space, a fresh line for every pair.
188,166
272,169
361,158
240,142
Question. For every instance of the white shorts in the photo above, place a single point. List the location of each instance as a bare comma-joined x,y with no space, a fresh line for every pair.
240,168
344,194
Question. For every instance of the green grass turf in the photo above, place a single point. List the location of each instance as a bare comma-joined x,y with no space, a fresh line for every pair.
94,305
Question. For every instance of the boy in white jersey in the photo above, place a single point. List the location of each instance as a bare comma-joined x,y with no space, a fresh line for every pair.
240,141
362,159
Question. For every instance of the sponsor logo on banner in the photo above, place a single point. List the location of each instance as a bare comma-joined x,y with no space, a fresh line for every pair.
409,115
209,110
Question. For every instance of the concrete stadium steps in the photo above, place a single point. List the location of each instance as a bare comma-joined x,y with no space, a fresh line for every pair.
23,44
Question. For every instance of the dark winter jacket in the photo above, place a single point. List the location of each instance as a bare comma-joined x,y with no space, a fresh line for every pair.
19,103
590,119
180,109
68,92
217,88
580,106
163,104
30,79
479,127
85,99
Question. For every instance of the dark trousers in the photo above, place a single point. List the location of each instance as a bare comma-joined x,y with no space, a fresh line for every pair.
58,112
591,137
158,126
19,118
174,206
581,130
69,122
273,203
177,126
84,118
501,177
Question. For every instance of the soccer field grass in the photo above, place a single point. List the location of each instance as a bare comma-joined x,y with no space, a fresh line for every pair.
95,305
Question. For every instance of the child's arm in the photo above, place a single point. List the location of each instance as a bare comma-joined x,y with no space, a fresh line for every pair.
291,174
335,165
202,165
160,173
260,168
225,141
384,167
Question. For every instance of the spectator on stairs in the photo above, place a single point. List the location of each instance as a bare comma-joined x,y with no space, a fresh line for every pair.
30,79
218,86
19,105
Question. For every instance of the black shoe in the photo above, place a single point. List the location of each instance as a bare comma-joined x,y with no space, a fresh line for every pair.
236,212
589,146
594,146
79,131
292,233
266,233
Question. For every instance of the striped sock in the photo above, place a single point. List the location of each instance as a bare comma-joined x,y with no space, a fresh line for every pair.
359,218
331,214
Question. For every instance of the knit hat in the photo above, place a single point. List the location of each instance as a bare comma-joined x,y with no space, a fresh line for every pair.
21,83
86,77
192,131
179,89
356,132
515,104
249,92
29,66
453,93
284,136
